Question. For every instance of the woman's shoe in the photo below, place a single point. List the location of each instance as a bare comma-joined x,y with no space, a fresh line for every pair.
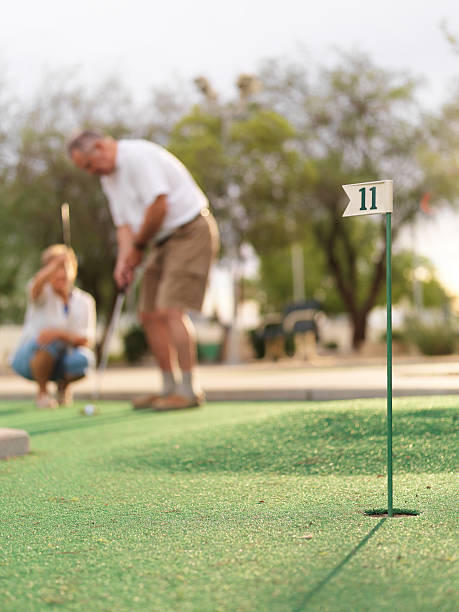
45,401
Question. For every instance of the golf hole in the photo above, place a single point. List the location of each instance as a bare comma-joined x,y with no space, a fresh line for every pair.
396,512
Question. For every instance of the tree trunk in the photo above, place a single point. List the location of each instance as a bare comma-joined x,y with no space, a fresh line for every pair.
359,332
347,279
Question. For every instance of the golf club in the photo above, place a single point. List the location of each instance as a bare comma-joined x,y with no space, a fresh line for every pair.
65,215
90,409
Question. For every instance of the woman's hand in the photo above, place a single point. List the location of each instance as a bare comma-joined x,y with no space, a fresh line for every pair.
46,336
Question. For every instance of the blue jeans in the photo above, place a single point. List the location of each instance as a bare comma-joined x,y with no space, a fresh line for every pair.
69,361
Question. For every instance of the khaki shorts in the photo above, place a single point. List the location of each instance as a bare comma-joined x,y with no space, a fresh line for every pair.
177,270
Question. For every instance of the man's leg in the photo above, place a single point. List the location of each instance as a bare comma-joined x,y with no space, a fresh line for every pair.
156,331
186,262
175,280
183,337
159,339
158,335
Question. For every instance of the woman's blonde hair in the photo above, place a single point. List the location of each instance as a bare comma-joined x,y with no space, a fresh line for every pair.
60,249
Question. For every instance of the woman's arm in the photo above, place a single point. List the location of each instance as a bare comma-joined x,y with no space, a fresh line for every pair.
45,274
46,336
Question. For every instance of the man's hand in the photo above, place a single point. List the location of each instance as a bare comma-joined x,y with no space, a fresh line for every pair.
134,258
123,273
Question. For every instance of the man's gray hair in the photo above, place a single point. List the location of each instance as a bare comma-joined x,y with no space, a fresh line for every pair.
84,141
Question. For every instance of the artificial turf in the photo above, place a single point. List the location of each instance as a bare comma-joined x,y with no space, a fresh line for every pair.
236,506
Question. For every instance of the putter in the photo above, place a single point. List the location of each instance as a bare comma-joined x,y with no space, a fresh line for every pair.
91,409
65,215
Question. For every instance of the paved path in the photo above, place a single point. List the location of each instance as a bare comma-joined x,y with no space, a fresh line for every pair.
324,379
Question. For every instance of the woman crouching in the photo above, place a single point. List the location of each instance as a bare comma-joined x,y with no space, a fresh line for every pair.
59,328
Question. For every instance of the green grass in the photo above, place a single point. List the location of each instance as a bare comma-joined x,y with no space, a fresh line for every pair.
241,506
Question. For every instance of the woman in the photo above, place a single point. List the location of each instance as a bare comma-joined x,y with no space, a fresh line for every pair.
59,328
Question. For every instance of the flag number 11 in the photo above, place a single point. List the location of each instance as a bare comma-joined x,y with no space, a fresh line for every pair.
363,198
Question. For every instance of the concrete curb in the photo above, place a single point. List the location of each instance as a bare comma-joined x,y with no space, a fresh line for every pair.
13,442
275,395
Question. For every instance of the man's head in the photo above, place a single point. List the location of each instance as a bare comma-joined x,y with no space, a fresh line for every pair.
93,152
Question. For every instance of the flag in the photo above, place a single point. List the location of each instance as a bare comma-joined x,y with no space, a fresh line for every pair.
424,204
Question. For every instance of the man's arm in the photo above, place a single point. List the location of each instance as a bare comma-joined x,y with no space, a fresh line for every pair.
131,246
152,221
124,237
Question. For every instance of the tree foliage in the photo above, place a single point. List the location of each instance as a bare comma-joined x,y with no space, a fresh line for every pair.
358,122
275,167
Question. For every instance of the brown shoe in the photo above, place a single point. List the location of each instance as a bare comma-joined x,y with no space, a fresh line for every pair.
146,402
177,402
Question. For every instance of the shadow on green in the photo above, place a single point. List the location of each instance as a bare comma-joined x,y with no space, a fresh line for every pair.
80,422
300,441
336,570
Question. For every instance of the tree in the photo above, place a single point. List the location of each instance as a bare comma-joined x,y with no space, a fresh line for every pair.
274,167
12,275
275,283
358,122
439,156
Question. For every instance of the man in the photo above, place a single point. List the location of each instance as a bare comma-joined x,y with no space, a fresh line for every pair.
59,328
153,197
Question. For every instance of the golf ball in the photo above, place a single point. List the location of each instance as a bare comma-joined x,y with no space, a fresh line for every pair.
89,409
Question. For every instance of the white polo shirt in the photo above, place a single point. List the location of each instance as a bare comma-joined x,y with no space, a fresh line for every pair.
144,171
49,312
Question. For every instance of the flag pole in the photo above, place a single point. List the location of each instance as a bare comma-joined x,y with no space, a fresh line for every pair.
389,363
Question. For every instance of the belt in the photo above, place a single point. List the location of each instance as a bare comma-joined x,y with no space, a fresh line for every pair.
204,212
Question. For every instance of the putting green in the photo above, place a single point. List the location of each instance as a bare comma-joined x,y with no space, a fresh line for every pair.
236,506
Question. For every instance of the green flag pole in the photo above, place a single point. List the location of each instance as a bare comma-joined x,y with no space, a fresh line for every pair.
389,362
381,203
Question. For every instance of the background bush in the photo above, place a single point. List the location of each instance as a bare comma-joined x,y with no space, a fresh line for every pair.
135,344
432,339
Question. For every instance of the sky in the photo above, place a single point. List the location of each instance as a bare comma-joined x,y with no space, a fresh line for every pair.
149,44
